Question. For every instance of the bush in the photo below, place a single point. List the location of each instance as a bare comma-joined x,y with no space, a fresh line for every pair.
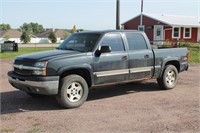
52,37
25,37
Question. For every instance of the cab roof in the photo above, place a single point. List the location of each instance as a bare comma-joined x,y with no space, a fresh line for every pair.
109,31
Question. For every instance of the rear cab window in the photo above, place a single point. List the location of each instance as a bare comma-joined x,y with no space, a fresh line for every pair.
136,41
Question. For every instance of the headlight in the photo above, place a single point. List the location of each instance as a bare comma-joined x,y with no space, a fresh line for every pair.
41,71
40,64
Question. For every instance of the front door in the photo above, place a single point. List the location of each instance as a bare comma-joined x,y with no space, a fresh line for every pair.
158,33
111,67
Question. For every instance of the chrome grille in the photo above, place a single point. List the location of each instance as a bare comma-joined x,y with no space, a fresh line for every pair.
23,71
24,63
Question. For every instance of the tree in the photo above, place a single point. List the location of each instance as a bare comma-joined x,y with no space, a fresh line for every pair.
74,29
52,37
32,28
25,27
4,26
36,28
25,37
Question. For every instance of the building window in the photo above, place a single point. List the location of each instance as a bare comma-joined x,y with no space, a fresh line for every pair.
158,33
176,32
187,32
141,27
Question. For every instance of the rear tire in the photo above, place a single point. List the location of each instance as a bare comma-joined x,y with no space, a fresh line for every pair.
73,91
169,78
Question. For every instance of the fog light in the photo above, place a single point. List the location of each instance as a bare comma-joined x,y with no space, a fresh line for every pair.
37,72
37,89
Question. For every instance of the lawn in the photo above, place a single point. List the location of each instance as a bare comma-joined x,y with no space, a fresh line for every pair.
194,50
10,55
194,55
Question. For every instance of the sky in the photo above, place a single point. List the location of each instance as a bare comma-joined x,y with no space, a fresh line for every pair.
87,14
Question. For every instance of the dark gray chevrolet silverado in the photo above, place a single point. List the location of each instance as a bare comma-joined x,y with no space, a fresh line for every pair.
88,59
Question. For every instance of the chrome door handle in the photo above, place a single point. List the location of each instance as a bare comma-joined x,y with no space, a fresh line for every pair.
125,58
146,56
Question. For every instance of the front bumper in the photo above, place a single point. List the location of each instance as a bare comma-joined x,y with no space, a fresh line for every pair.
38,85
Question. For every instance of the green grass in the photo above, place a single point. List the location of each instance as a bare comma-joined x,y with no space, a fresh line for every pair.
7,130
10,55
194,55
33,130
186,44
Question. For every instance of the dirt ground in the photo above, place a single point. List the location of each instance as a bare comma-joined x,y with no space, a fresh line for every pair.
132,107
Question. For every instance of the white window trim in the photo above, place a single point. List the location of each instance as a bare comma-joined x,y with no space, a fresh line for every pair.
142,27
190,32
173,32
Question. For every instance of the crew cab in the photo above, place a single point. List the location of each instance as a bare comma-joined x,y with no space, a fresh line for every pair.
88,59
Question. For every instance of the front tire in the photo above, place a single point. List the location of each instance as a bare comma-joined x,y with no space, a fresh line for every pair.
73,91
169,78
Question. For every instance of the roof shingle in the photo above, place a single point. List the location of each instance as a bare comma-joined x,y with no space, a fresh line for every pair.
12,33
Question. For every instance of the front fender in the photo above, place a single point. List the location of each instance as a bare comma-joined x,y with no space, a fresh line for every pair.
86,66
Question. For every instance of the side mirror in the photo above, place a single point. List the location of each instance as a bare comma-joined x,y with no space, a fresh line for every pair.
103,49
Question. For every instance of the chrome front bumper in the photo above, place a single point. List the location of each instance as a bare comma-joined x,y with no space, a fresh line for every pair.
40,85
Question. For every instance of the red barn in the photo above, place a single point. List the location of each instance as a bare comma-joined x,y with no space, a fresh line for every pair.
166,27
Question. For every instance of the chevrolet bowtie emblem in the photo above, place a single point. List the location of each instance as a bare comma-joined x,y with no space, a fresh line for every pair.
20,67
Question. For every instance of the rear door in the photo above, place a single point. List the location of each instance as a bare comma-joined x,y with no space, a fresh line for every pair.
141,59
111,67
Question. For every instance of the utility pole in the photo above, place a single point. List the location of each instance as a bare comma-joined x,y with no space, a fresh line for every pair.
141,13
118,15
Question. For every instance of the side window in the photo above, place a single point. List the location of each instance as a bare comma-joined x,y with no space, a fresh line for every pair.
136,41
113,40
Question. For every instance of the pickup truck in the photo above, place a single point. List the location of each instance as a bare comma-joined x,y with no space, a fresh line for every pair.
88,59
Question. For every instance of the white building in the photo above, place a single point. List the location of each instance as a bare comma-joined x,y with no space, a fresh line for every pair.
14,35
11,35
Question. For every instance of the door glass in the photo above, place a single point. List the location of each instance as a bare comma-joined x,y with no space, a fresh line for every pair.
136,41
158,31
114,41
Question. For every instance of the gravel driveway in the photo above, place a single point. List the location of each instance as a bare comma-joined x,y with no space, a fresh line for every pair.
133,107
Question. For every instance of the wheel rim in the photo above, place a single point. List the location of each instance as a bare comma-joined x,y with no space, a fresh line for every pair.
74,92
170,77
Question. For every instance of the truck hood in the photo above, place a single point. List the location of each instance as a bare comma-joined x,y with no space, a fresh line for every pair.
47,55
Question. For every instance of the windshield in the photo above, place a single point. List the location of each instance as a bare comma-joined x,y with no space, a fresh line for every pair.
82,42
